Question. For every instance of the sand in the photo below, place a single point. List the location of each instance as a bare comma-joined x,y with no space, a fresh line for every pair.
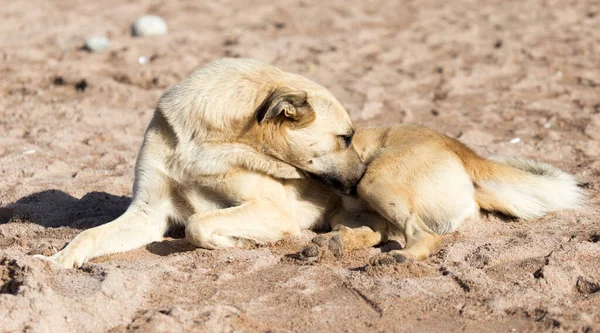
487,72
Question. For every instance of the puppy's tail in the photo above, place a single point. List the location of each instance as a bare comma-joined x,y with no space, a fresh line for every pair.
523,188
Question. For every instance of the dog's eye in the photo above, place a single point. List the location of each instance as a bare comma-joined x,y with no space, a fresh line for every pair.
347,138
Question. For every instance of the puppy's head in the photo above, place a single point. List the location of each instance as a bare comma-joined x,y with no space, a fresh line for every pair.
305,126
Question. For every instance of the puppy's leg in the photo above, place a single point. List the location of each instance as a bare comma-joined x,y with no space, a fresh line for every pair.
251,222
394,205
350,231
420,243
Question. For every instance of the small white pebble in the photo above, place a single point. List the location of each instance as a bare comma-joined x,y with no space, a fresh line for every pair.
28,152
547,125
142,60
559,74
515,140
148,25
96,44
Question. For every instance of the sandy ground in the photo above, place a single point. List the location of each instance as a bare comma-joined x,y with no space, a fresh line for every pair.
486,72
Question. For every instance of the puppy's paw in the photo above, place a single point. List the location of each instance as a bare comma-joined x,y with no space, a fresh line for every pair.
331,242
391,258
309,253
321,246
382,259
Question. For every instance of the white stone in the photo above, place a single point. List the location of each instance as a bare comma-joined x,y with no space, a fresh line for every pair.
96,43
148,25
143,60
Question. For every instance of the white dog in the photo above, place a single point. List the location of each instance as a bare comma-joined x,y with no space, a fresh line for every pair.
226,155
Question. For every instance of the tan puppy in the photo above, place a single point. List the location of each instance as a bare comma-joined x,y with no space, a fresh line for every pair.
226,155
423,184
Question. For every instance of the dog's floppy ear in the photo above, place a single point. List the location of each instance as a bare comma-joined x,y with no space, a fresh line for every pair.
292,103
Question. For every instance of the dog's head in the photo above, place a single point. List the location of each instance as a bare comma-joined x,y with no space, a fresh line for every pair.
305,126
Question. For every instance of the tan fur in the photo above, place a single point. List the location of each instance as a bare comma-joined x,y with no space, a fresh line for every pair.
227,155
425,184
359,229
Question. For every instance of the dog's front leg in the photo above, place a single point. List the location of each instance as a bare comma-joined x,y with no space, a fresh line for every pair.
138,226
256,221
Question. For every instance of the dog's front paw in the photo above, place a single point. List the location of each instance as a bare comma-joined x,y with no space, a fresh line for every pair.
65,258
391,258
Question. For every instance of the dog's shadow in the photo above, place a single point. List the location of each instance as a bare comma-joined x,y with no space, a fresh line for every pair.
55,209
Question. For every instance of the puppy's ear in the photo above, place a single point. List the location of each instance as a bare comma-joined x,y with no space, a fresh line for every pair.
291,103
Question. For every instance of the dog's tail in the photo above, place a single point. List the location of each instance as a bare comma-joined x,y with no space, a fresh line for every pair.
522,187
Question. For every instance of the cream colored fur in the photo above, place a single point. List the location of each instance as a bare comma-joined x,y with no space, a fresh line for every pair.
227,155
543,189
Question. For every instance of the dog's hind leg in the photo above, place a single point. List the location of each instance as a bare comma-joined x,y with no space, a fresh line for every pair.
395,204
420,243
350,231
256,221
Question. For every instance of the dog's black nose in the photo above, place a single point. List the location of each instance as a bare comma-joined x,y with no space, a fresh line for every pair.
354,191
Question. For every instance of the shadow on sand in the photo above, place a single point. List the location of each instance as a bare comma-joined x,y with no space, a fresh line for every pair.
55,208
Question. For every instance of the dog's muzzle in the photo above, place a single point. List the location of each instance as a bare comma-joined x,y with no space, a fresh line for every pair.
343,186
